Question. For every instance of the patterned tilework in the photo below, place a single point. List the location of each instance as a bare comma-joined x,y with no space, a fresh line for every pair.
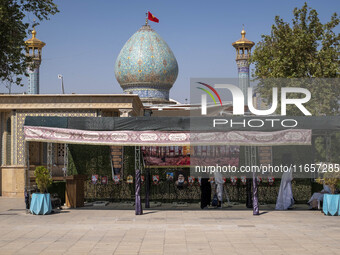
146,65
33,80
243,75
147,92
21,115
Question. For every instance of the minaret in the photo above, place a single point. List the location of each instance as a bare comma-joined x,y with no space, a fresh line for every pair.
243,49
33,49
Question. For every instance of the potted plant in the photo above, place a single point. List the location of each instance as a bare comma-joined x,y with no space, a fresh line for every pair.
41,202
331,202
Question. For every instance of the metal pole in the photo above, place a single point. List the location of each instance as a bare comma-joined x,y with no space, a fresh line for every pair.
137,158
255,186
27,177
249,199
65,159
50,157
138,203
62,84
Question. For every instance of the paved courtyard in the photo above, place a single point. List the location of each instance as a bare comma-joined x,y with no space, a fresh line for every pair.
160,231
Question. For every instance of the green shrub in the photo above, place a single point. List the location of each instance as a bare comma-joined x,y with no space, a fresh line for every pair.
42,178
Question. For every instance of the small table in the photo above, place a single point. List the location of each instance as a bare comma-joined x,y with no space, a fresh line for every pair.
331,204
41,204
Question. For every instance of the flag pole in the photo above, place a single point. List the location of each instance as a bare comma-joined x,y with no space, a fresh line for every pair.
146,19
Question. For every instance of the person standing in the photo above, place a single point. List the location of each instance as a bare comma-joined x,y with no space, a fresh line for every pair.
205,193
285,198
219,187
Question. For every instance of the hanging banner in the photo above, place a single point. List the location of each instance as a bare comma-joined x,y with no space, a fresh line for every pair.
191,180
265,155
184,156
155,179
271,180
117,159
151,138
181,180
170,176
104,180
243,180
129,179
116,179
166,156
94,178
233,180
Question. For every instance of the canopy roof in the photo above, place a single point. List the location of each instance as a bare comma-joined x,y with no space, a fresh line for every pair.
317,124
165,131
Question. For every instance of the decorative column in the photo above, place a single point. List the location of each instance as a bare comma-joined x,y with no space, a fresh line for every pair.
33,48
243,52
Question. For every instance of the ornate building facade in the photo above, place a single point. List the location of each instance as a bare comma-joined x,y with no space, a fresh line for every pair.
15,108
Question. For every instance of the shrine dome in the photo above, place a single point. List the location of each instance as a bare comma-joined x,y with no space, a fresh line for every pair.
146,66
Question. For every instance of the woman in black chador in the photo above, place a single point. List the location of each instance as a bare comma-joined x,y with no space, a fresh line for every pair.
205,192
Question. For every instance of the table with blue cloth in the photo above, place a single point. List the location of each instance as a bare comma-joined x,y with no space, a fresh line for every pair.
331,204
41,204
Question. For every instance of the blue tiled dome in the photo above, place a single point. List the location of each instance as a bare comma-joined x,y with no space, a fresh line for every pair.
146,66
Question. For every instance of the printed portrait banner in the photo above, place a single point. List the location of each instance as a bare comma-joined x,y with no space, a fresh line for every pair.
170,176
94,178
104,180
116,179
163,138
170,156
183,156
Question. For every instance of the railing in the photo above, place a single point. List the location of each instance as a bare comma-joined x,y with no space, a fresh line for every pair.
242,56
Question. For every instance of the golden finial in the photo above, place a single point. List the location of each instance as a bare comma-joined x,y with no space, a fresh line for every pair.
34,33
34,42
243,32
243,42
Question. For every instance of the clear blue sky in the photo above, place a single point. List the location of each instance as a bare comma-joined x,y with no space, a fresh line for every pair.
84,39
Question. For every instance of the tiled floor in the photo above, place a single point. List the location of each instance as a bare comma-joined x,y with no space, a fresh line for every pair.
158,231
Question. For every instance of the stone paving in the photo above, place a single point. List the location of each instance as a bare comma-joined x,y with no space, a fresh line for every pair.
166,231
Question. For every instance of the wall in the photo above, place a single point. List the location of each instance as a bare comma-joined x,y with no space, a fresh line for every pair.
13,181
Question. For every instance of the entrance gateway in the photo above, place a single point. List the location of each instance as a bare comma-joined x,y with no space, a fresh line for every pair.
165,131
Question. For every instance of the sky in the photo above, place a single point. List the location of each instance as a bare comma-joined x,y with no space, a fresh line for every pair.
84,39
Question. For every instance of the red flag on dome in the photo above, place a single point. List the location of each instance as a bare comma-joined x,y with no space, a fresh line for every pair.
152,18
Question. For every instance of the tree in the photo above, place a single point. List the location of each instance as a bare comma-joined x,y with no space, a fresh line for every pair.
306,48
42,178
14,27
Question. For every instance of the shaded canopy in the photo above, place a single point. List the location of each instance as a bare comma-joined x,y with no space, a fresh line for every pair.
164,131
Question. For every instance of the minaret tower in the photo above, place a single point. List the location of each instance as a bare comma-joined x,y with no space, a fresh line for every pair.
33,49
243,50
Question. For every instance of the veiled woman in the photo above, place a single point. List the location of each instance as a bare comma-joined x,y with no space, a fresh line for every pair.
285,198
